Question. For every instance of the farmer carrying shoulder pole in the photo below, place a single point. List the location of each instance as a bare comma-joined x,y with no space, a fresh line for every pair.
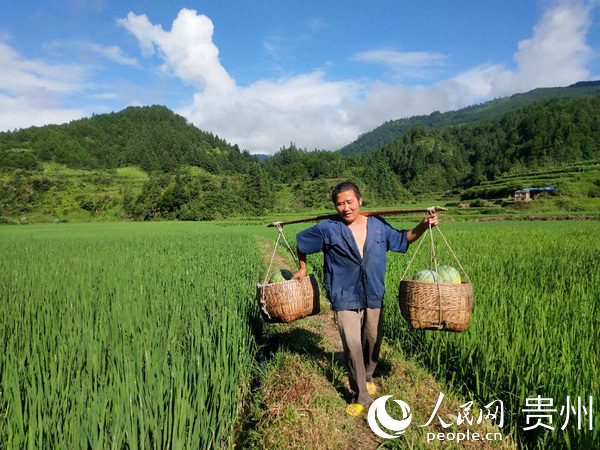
354,248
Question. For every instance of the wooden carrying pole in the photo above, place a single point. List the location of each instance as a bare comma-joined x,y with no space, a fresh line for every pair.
364,213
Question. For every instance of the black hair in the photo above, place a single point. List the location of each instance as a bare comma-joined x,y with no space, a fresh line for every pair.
343,187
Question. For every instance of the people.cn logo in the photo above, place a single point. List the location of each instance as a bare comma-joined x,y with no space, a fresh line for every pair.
377,412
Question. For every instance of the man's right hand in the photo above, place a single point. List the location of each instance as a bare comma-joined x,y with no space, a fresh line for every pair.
299,275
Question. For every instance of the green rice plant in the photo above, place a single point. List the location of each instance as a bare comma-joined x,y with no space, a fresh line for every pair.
124,335
535,328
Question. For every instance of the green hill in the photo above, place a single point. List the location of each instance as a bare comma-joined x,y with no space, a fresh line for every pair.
141,163
151,137
386,133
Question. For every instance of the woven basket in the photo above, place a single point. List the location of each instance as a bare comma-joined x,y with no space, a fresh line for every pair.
289,300
426,308
430,305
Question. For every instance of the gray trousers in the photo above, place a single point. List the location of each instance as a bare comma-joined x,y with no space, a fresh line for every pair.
361,331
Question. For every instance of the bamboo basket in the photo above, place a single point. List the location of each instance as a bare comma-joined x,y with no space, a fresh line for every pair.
436,306
433,305
290,300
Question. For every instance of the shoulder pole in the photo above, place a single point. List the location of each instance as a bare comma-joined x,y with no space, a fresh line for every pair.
364,213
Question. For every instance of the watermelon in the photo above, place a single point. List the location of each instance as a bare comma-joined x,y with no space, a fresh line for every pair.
426,275
449,274
279,276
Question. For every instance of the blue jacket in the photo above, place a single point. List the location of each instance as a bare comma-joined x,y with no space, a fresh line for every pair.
353,282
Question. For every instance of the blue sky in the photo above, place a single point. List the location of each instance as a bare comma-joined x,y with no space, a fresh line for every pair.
265,73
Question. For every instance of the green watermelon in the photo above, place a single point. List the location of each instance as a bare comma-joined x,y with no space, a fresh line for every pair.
449,274
279,276
426,275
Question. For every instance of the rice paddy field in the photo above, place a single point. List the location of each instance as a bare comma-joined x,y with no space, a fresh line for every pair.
535,329
124,335
141,335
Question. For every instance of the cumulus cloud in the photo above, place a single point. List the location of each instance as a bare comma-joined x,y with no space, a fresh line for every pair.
315,112
31,90
306,109
557,53
187,49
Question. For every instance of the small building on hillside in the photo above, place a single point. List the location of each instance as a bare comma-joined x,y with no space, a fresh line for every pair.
524,195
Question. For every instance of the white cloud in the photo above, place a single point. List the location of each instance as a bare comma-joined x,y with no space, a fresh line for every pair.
557,53
400,60
273,47
114,53
105,96
31,90
111,53
19,75
404,64
315,112
21,112
315,24
187,49
305,109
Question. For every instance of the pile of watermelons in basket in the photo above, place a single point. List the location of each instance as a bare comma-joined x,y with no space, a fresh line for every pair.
279,276
445,274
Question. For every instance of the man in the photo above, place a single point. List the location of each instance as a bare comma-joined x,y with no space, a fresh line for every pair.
354,248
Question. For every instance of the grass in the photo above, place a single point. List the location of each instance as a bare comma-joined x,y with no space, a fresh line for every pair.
140,335
114,335
537,301
132,173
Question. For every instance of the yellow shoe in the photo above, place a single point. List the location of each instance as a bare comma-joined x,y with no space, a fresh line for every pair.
354,409
371,388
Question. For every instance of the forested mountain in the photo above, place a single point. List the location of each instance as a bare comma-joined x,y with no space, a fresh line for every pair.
386,133
422,160
151,137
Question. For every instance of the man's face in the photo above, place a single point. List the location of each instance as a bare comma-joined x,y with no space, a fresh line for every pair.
348,206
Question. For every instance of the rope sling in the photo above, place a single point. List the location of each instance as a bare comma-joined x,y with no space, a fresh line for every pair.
279,236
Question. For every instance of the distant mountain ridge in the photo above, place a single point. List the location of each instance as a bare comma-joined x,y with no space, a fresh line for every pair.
151,137
387,132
